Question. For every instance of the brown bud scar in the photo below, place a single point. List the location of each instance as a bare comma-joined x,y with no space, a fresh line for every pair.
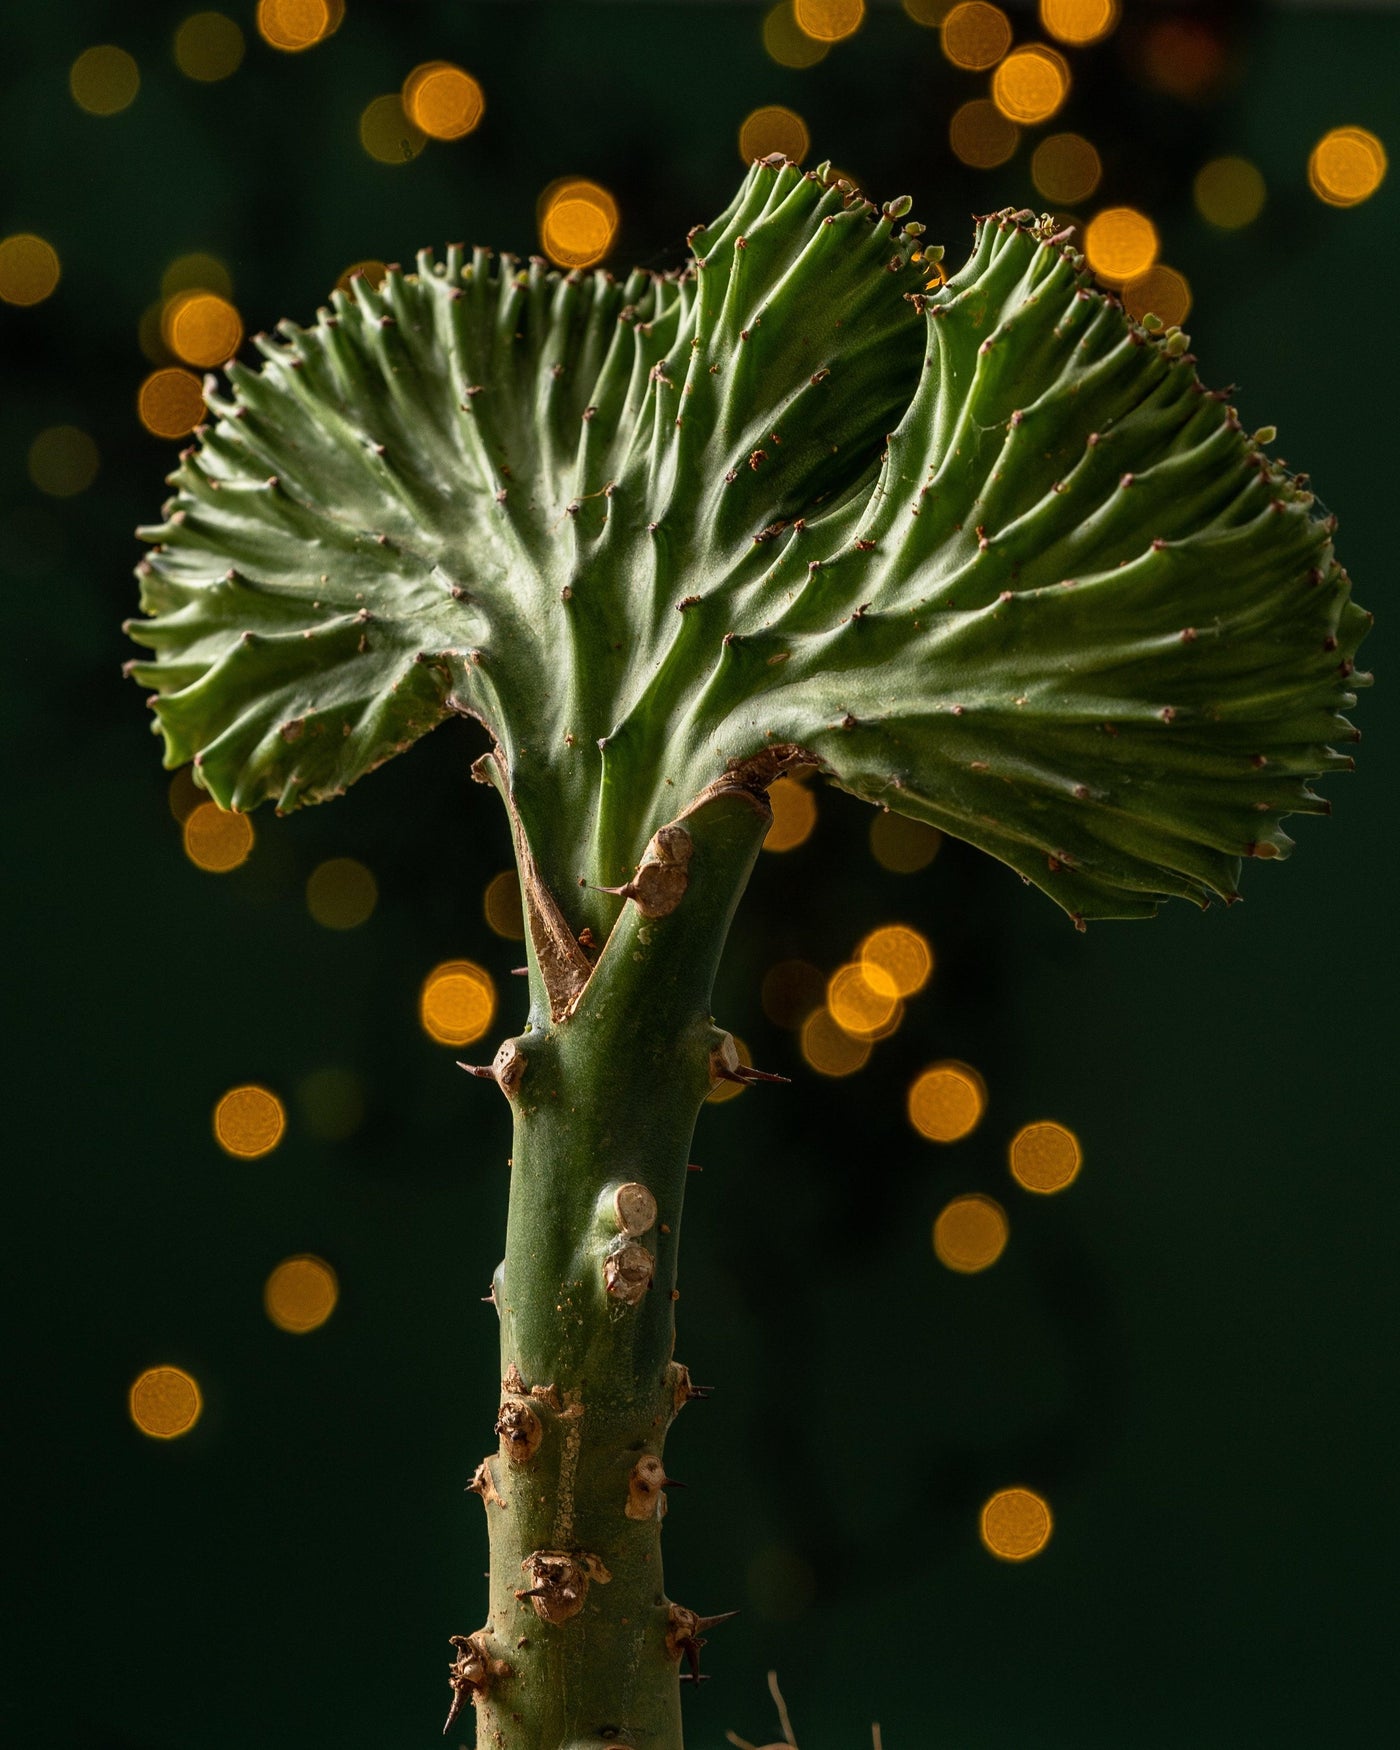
471,1672
627,1273
512,1383
662,877
483,1483
682,1387
634,1208
520,1430
559,1581
646,1485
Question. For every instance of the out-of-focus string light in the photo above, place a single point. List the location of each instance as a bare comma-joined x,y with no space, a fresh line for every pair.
444,100
1066,169
1045,1157
723,1091
1030,84
981,136
341,893
975,35
388,133
457,1002
1120,243
170,403
901,845
1161,291
208,47
773,128
1015,1524
294,25
859,1007
300,1294
970,1234
63,461
1346,166
1078,22
196,272
330,1104
578,221
249,1121
786,43
216,839
370,270
1229,193
790,991
794,815
946,1102
164,1402
202,328
828,1049
29,269
502,906
104,80
896,960
829,21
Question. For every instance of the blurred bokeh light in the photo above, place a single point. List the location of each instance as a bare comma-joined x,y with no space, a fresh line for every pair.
1078,21
104,80
300,1294
164,1402
1030,84
249,1121
829,21
63,461
897,960
970,1234
457,1002
444,100
829,1049
976,35
860,1008
209,46
502,906
216,839
196,272
1066,169
1015,1524
981,136
170,402
1161,291
1120,244
786,42
341,893
1229,192
1045,1156
202,328
294,25
1346,166
388,133
794,808
901,845
29,268
946,1101
578,222
773,128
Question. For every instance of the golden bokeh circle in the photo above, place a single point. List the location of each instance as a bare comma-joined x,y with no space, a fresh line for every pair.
196,272
104,80
794,808
970,1234
1120,243
1161,291
501,903
578,221
300,1294
294,25
1030,84
981,136
209,46
1015,1524
202,328
170,402
164,1402
29,269
1066,169
388,133
1346,166
1045,1157
249,1121
1229,192
946,1102
901,845
773,128
830,1050
828,21
860,1008
897,959
975,35
63,461
1079,22
216,839
457,1002
341,893
444,100
785,43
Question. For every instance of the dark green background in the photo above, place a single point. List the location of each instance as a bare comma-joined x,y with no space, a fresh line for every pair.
1191,1353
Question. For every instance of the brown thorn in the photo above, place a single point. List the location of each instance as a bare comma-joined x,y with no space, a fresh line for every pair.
693,1167
744,1072
484,1070
520,971
705,1623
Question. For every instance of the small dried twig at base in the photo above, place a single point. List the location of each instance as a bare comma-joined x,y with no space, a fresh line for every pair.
876,1741
787,1741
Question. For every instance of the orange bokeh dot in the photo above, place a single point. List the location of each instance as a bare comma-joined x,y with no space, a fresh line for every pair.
1079,21
249,1121
216,839
293,25
829,1049
1346,166
1161,291
773,128
896,959
976,36
29,269
970,1234
860,1007
457,1002
829,21
794,815
946,1102
981,136
1066,168
502,905
202,328
164,1402
170,402
300,1294
1015,1524
1030,84
1045,1157
1120,244
445,101
578,221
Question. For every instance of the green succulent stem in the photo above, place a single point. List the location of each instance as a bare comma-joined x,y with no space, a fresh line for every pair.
582,1646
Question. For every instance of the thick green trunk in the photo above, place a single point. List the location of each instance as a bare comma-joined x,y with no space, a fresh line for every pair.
582,1646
